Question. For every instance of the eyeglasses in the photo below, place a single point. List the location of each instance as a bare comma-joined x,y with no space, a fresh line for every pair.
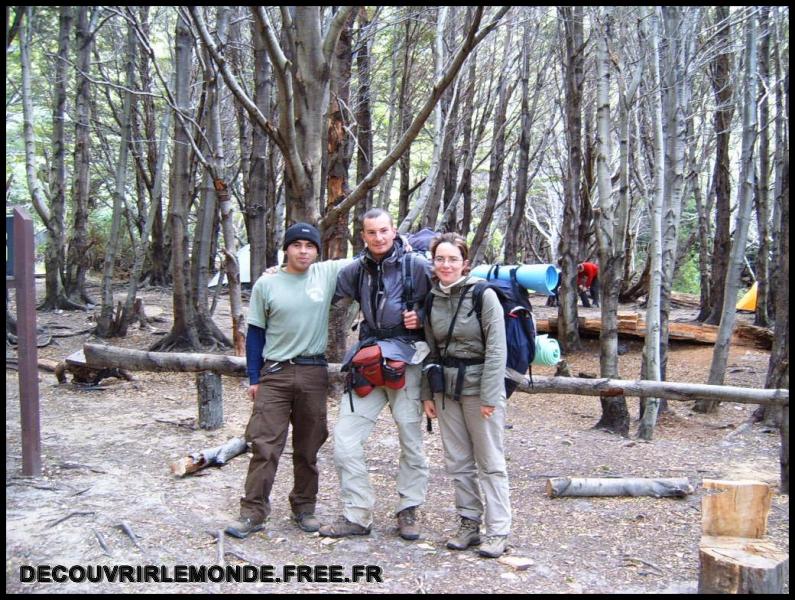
453,260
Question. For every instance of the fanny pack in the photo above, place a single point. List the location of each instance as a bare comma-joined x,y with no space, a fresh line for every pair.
369,369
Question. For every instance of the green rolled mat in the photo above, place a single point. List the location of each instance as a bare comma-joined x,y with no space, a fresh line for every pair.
547,351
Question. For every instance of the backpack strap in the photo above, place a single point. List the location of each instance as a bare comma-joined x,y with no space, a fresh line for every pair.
459,382
408,280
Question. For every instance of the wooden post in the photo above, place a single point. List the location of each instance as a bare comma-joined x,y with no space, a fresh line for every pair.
211,400
733,557
23,280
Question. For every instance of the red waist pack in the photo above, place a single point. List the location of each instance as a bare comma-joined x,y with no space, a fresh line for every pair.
370,370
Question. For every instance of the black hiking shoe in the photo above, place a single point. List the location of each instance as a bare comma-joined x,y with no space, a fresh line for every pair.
243,526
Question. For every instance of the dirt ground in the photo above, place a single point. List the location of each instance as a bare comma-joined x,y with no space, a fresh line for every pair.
106,453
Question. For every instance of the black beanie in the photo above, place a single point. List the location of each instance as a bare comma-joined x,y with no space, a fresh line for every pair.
302,231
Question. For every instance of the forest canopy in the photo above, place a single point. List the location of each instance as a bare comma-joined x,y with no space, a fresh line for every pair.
152,142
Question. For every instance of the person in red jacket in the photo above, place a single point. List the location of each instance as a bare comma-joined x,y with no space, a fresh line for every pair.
588,279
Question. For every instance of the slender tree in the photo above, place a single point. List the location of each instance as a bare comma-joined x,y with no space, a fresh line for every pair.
77,256
761,200
744,201
651,347
720,75
569,247
106,325
609,229
54,294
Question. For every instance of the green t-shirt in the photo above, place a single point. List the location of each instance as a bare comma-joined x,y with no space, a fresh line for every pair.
293,309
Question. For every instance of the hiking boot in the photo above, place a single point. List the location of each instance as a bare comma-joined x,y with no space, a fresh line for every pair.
468,534
306,521
407,523
493,546
343,528
244,526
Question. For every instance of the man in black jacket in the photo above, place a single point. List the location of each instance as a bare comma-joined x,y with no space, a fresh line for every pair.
393,319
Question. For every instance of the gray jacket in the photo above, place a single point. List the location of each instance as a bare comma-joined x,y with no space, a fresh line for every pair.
466,341
380,296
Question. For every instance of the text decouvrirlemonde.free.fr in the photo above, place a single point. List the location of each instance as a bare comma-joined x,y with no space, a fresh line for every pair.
200,574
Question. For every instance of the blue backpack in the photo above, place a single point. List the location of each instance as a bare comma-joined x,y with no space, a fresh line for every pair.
520,330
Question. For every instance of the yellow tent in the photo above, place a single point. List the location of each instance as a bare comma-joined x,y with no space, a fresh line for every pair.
748,302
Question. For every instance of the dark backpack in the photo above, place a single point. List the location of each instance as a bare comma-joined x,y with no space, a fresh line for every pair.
421,240
520,330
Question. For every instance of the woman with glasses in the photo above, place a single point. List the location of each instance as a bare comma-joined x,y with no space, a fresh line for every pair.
465,390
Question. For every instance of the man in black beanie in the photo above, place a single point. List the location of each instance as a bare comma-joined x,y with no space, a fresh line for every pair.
302,231
288,378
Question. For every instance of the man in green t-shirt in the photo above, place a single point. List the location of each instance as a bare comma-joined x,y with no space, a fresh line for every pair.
288,377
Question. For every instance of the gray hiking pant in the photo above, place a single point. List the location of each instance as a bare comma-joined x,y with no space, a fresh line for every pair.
475,458
351,433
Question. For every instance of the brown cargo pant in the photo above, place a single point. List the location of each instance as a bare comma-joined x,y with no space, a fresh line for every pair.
292,394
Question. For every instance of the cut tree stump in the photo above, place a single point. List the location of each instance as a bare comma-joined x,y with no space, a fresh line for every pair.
735,565
739,511
733,557
618,486
212,456
211,400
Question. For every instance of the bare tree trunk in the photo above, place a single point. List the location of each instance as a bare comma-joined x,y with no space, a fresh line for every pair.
76,268
449,220
404,118
34,186
473,37
385,189
778,158
679,31
340,148
497,161
340,154
223,197
721,77
106,327
258,201
517,215
761,317
54,295
569,247
128,313
609,232
445,117
183,332
778,367
364,127
744,201
651,348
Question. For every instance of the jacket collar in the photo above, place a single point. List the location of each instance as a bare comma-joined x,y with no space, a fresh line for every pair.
392,256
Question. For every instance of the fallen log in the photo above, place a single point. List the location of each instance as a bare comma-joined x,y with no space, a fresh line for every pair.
84,373
642,388
631,324
98,355
213,456
618,486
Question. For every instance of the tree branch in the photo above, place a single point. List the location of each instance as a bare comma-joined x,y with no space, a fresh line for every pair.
373,177
230,79
334,30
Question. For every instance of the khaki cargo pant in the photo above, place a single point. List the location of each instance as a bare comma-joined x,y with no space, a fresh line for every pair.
351,432
475,458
